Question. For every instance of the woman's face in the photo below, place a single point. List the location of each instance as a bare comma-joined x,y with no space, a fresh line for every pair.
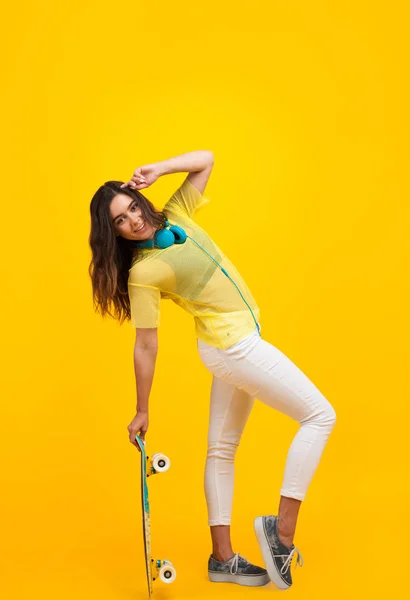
127,219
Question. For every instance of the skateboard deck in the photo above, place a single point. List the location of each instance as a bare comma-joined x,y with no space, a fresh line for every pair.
163,569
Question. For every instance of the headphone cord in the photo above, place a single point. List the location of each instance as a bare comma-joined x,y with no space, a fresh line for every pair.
225,273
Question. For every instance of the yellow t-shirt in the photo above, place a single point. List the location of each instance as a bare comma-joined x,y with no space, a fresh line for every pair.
186,275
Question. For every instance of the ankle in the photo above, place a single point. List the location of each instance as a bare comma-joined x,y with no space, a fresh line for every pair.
222,556
285,536
286,541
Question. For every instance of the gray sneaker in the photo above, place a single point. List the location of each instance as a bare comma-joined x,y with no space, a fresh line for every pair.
236,570
276,555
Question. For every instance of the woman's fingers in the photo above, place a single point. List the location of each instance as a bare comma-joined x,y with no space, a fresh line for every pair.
138,175
134,181
134,441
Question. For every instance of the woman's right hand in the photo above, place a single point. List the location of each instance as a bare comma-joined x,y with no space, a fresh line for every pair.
143,177
139,425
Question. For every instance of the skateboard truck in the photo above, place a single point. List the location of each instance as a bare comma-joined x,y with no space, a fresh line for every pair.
163,569
159,463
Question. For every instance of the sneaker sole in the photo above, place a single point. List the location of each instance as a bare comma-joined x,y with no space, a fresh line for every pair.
250,580
267,555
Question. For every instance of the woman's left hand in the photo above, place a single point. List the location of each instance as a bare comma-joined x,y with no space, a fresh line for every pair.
143,177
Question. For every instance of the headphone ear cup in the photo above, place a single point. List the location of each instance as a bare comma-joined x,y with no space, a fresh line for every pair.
164,238
179,234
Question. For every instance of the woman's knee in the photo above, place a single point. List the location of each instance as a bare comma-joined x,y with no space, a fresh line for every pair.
222,450
324,415
327,416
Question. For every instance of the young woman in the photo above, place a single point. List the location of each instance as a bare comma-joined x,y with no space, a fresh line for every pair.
140,255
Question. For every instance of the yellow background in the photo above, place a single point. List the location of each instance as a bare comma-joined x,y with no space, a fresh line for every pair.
305,106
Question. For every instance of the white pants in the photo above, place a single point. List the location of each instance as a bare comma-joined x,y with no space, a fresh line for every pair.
249,369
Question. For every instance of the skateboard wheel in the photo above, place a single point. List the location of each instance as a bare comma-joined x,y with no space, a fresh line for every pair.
167,573
160,462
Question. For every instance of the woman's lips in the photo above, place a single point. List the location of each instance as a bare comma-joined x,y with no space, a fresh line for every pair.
139,230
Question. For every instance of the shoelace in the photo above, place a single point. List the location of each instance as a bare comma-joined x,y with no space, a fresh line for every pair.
287,563
234,563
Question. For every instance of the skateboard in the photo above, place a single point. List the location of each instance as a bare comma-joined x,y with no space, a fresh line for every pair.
164,569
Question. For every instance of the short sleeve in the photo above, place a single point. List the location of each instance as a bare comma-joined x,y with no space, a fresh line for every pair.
186,199
145,305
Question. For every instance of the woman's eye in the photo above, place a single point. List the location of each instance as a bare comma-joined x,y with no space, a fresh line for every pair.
120,220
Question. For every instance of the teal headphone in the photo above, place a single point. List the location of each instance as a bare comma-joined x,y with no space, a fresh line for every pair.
174,234
163,238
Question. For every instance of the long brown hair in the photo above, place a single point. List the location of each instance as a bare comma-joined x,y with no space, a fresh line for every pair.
111,254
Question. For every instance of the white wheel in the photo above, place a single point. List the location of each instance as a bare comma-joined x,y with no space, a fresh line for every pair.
167,573
160,462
